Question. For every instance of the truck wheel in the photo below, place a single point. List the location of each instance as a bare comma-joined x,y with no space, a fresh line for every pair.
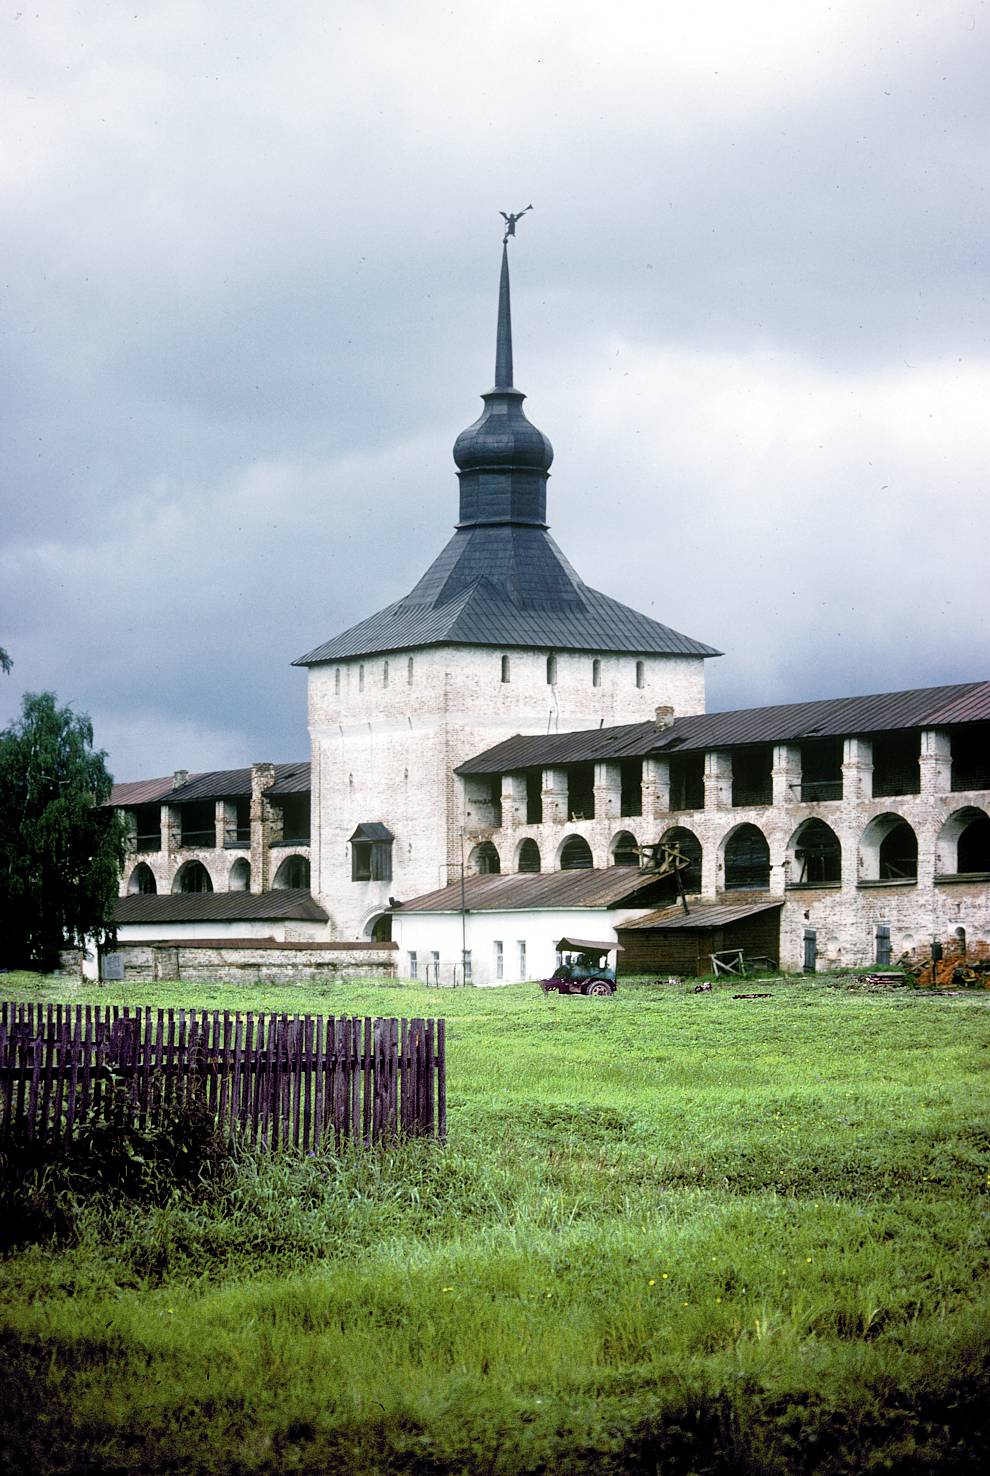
598,989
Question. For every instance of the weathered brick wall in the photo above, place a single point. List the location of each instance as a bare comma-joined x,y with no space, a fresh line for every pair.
844,916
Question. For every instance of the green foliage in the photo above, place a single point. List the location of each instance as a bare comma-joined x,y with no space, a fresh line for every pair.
669,1233
60,849
45,1184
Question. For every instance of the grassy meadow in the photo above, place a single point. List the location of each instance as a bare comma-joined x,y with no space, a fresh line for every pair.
669,1233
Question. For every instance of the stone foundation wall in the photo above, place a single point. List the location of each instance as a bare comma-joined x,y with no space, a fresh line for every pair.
221,961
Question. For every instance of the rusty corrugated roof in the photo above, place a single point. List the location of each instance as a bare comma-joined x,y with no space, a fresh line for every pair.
966,702
523,891
295,903
141,792
702,915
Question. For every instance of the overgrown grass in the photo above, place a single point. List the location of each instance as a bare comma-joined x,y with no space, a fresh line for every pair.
669,1233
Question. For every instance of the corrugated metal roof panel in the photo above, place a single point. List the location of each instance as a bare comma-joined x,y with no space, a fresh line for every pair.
141,792
225,784
828,718
702,915
294,903
523,891
296,780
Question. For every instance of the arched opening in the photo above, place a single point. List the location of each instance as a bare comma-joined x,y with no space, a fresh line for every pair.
484,860
575,854
528,856
815,854
240,876
624,850
747,860
506,669
142,881
192,877
964,842
688,844
551,670
596,672
293,873
641,673
888,850
379,929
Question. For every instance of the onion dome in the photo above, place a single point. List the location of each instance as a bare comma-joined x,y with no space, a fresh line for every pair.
503,459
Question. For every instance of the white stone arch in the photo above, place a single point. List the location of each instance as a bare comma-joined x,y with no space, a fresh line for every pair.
744,859
885,849
952,831
292,873
239,876
807,866
139,879
192,876
378,927
623,849
484,860
574,854
528,852
690,846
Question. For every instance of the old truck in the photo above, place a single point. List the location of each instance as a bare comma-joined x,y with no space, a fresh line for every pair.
583,968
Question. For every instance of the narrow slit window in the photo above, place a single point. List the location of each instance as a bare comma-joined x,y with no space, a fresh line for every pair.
385,675
596,672
409,671
506,672
361,678
336,682
641,673
551,670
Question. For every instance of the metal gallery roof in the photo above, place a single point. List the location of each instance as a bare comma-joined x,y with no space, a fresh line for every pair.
294,903
834,717
142,791
219,784
703,915
526,891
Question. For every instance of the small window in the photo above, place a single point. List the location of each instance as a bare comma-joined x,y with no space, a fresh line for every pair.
499,959
551,670
435,964
385,675
641,673
505,669
336,682
409,671
413,964
361,678
596,672
522,958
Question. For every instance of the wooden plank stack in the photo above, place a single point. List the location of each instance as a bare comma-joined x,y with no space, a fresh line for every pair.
271,1080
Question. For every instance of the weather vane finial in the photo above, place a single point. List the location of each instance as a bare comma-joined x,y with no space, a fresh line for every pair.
510,222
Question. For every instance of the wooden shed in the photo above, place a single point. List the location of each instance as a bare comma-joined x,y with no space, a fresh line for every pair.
674,942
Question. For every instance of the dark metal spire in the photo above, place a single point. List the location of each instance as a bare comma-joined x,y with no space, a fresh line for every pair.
503,338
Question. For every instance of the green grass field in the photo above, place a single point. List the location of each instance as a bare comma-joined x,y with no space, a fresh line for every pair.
669,1233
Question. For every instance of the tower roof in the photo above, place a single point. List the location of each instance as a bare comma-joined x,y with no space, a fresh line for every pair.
501,580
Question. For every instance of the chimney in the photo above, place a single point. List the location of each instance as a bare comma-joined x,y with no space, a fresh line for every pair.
179,777
664,719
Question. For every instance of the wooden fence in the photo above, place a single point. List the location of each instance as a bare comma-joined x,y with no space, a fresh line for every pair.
289,1080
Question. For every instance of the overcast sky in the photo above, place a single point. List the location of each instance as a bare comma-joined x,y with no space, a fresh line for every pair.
249,260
